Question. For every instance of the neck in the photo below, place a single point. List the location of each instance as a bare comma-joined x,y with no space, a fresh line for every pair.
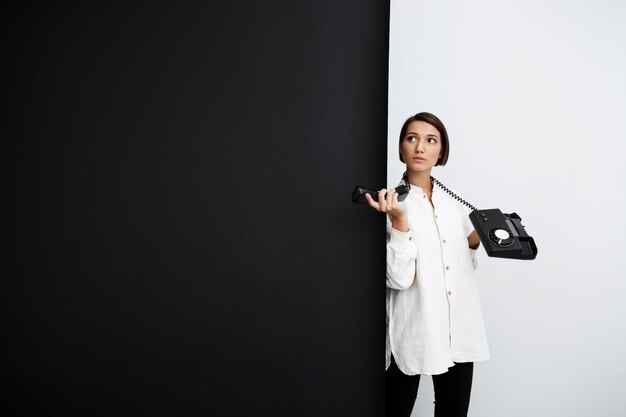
420,179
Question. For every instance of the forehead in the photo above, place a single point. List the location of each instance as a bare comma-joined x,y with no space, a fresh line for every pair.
422,128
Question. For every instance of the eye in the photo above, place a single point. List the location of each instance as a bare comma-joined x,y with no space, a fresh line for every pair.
410,139
432,140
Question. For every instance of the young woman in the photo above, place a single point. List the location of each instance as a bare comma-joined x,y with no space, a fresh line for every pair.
434,322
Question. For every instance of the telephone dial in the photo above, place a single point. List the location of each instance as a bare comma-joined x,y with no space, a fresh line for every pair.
502,235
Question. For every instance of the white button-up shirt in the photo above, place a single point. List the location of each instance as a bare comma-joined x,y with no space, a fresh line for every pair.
433,311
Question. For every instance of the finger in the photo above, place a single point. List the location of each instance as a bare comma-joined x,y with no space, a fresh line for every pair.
371,202
381,200
390,195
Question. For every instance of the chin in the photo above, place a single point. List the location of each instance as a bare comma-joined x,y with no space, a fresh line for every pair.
417,167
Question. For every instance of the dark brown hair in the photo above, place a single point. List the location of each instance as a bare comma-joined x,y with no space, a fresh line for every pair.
434,121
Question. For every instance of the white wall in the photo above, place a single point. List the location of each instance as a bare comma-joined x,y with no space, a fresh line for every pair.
533,94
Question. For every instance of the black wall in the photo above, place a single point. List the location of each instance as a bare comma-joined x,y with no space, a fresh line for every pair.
177,232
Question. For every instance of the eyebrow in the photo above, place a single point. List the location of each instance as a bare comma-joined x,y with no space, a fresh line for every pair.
416,134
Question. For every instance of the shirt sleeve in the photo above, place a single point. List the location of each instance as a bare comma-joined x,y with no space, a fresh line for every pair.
401,258
467,223
469,228
473,253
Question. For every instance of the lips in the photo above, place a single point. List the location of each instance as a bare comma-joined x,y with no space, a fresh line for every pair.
419,159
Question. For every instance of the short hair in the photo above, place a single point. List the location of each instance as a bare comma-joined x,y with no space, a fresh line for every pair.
434,121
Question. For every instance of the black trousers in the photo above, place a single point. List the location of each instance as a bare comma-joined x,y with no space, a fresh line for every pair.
452,391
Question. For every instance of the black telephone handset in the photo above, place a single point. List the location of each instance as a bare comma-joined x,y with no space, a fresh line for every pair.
358,195
502,235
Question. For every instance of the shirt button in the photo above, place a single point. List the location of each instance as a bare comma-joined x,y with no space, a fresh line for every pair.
424,196
447,268
449,292
410,237
444,241
436,216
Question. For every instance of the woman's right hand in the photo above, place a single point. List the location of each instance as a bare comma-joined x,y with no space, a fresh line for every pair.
388,203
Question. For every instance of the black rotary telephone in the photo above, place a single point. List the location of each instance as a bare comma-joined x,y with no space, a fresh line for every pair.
502,235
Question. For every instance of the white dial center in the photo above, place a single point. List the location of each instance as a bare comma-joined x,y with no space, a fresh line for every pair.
502,234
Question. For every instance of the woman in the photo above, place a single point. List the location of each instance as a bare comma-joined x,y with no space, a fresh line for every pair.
434,322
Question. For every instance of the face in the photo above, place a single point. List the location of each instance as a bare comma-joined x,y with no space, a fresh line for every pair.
421,146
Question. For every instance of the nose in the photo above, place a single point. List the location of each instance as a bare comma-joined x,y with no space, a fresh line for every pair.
419,147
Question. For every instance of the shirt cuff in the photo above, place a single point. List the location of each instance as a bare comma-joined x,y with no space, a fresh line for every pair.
400,238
